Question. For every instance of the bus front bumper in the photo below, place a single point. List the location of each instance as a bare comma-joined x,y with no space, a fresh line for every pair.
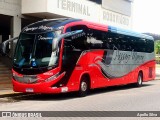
42,87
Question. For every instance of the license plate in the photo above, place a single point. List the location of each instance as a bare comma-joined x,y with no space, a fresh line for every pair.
29,90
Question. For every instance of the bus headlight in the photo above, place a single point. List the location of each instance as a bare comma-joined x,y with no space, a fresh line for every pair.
16,76
29,79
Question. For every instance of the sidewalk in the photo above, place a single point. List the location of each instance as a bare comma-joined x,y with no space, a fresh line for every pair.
6,87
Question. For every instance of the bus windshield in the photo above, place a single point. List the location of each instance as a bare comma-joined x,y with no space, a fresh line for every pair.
35,50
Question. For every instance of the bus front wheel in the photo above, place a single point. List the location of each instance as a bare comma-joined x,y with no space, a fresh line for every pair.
84,87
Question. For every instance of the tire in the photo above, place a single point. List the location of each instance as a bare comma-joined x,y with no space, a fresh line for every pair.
139,80
84,87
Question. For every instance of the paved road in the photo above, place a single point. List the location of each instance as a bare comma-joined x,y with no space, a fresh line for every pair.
158,72
122,98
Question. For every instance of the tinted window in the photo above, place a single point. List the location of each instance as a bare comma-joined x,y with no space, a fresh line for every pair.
78,41
96,39
35,50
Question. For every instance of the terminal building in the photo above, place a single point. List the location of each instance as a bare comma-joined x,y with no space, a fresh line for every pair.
16,14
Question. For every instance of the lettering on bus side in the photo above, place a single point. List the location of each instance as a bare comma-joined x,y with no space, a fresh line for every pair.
42,27
128,56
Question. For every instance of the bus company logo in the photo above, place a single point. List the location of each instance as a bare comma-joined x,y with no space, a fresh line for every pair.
42,27
127,57
6,114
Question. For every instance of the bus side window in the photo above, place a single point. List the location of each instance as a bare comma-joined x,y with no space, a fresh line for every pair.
149,46
79,41
94,39
114,41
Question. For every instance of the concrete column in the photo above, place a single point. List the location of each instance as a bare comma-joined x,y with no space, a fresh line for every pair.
15,26
15,31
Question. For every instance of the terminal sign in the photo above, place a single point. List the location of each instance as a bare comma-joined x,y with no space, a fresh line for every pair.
73,6
116,18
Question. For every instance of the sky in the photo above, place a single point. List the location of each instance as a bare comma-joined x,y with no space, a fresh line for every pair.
146,16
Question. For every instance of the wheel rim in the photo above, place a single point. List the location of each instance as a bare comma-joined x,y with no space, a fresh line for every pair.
83,86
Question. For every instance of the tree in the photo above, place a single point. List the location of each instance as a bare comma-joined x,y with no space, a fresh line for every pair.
157,46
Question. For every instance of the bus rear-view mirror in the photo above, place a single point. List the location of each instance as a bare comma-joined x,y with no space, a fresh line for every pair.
65,35
3,46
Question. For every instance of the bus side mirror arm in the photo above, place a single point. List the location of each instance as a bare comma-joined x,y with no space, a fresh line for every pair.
59,38
4,44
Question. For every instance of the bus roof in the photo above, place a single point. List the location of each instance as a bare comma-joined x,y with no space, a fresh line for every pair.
54,24
129,33
47,25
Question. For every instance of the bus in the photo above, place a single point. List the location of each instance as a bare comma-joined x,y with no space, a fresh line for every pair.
66,55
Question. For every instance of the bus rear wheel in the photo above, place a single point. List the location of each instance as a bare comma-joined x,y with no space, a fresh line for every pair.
139,80
84,87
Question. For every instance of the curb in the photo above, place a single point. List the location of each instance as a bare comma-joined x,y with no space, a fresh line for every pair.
10,94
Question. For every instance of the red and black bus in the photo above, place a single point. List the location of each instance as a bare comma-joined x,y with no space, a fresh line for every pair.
65,55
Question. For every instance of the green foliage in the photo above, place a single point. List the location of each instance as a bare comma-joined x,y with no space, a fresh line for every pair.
157,46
